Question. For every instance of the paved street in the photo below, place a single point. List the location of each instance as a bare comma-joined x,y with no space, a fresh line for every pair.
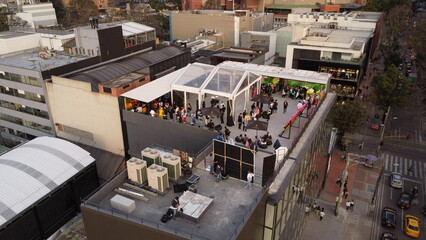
388,196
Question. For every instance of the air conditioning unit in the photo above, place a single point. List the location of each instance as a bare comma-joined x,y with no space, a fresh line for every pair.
136,170
151,156
157,177
172,163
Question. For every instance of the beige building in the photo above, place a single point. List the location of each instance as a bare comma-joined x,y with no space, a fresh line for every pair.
191,25
81,115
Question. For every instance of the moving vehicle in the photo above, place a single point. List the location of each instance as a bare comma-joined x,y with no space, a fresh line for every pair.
411,226
389,236
389,218
396,180
404,201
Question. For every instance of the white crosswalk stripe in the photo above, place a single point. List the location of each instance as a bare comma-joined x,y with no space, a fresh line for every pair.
405,166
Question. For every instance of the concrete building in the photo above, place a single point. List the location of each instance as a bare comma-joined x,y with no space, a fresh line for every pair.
34,12
84,105
15,42
337,43
24,106
260,40
42,14
190,25
285,180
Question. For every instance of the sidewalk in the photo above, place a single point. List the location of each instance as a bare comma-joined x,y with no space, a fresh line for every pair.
356,224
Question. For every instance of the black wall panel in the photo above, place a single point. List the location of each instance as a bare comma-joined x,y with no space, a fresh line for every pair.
237,160
24,228
268,168
233,168
233,151
248,156
144,131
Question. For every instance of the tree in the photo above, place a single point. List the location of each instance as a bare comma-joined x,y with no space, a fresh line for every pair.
347,116
395,24
385,5
79,12
417,41
391,88
210,4
15,21
60,9
4,26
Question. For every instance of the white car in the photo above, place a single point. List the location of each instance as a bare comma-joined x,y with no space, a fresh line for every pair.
396,180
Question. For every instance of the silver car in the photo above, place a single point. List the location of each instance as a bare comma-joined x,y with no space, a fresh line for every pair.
396,180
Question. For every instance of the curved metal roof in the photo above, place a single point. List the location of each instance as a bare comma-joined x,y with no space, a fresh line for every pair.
33,170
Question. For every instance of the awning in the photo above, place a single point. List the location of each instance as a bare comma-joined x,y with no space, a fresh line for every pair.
155,89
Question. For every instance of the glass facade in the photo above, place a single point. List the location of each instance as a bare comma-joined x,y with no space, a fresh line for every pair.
17,133
20,78
26,123
341,73
285,217
22,94
24,109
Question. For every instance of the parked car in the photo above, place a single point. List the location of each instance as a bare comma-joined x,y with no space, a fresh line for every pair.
411,226
404,201
389,236
389,218
396,180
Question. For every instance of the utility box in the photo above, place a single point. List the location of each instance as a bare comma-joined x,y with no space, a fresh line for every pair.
123,204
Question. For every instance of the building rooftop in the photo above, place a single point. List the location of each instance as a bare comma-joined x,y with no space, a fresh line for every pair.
232,203
24,180
9,34
129,28
30,59
123,80
353,39
112,72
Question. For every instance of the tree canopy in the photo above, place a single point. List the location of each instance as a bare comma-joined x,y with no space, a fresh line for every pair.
391,88
347,116
4,26
385,5
395,24
79,11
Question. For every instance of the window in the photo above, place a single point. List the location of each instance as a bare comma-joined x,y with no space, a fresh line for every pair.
126,86
107,90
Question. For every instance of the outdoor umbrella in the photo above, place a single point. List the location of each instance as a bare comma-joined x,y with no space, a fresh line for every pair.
257,125
261,99
211,111
371,158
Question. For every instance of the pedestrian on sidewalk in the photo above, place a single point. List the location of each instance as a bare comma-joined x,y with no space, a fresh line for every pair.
410,169
322,214
307,210
314,207
352,205
348,205
318,210
339,181
345,193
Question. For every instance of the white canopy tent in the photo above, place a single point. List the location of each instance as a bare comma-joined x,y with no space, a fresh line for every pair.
228,82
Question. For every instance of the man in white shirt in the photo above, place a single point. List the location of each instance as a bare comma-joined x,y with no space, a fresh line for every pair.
250,176
299,105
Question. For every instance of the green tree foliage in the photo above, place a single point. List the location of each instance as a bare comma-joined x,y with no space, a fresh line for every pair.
210,4
347,116
417,41
79,12
385,5
4,26
395,24
391,88
60,10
